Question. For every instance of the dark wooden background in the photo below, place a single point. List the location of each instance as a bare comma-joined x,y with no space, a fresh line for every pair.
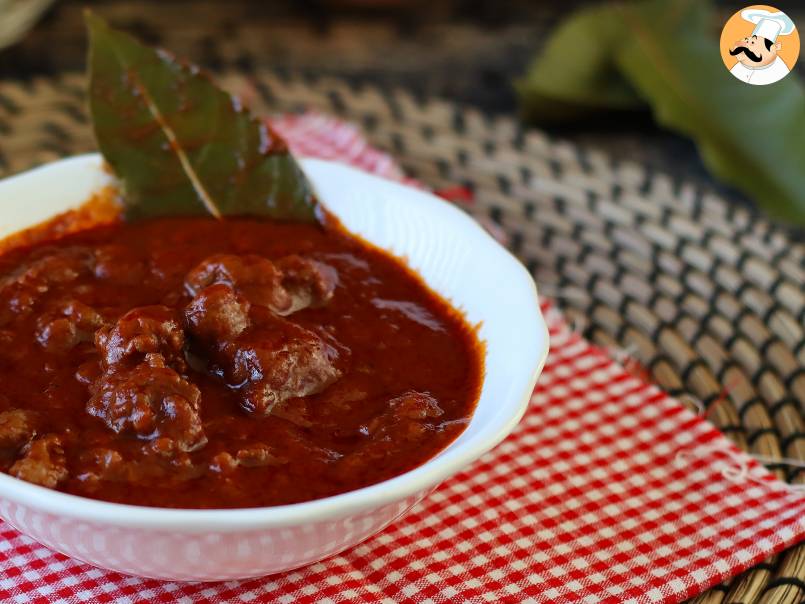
465,50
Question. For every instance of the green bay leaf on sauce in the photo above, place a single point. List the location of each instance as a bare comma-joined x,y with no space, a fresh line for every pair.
179,144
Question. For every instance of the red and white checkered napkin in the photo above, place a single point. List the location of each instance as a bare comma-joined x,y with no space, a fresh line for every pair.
608,491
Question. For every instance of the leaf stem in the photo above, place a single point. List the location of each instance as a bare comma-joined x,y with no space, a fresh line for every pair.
176,147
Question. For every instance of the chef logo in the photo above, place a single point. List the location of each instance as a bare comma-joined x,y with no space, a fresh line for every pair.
760,45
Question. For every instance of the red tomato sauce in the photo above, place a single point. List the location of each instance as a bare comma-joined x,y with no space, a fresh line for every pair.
200,363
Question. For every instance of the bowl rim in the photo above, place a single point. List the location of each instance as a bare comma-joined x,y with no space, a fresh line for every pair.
422,478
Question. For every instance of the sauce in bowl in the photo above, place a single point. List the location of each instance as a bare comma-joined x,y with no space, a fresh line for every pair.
200,363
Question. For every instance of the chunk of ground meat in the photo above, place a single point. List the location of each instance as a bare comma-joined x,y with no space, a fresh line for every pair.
67,325
88,372
257,456
223,463
116,263
54,266
42,462
255,277
152,402
309,283
277,360
266,358
217,313
102,464
20,290
285,286
405,417
401,425
410,405
141,331
107,463
17,428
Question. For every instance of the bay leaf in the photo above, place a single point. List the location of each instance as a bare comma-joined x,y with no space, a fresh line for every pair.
575,74
181,145
751,137
664,55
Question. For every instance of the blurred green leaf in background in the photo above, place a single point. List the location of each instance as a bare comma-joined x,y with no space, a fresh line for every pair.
664,54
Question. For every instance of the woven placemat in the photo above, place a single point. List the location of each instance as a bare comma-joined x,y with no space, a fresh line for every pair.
709,297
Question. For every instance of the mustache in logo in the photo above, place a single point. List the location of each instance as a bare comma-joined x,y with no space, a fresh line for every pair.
743,49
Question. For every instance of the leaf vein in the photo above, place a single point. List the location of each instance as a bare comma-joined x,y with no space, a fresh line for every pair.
177,149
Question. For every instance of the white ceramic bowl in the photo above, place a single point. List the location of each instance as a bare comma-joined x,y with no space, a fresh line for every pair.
455,257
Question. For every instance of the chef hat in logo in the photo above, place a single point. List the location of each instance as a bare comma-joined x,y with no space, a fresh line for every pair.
768,25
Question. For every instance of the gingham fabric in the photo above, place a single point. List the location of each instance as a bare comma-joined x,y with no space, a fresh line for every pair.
607,491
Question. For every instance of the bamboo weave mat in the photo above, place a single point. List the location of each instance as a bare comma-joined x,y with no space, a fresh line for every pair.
709,297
